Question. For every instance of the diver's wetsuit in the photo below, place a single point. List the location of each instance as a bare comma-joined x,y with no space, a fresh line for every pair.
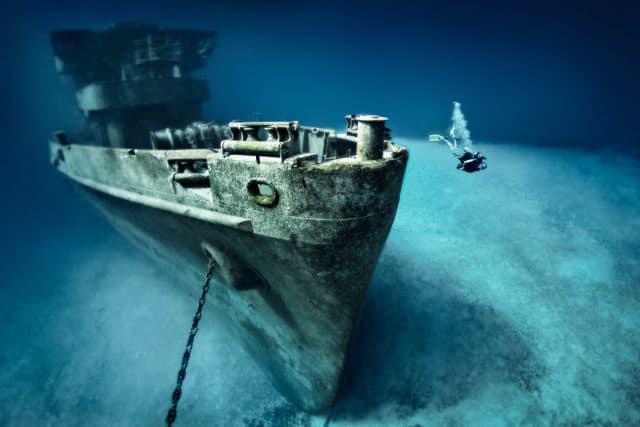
472,162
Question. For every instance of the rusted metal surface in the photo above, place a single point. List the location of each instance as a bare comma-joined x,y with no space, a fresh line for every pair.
295,217
295,273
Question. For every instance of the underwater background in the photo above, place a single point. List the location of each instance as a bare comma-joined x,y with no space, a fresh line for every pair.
505,297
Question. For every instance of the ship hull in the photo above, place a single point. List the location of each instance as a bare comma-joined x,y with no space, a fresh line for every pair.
294,216
293,302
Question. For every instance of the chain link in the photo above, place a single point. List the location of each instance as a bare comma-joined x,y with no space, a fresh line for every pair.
182,373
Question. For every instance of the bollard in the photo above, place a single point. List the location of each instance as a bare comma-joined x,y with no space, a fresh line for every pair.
370,136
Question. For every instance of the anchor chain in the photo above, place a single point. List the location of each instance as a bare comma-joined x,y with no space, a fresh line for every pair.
177,392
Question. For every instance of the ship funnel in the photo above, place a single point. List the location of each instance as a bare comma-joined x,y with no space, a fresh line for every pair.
370,135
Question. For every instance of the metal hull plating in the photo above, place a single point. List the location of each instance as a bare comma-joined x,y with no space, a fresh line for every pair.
292,279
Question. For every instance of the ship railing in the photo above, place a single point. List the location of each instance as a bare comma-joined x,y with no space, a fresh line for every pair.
366,138
155,49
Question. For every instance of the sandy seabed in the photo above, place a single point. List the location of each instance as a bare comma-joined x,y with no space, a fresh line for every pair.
506,297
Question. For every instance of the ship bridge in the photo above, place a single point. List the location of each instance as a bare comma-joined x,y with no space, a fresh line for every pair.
132,78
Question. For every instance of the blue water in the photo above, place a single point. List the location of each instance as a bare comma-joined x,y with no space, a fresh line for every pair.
507,297
503,298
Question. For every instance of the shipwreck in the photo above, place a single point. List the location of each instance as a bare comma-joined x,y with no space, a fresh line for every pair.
295,216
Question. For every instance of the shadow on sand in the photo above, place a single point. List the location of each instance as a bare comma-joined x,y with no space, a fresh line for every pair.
419,346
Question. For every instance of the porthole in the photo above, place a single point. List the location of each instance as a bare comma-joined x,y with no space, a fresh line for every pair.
262,192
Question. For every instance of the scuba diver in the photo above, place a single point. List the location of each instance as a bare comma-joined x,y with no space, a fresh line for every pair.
472,162
469,160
